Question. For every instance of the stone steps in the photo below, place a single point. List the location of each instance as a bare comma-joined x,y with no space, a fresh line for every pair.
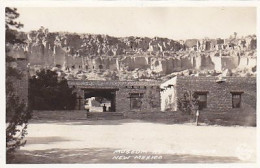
105,115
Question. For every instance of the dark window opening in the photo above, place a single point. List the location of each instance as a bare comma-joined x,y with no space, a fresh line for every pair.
136,100
58,65
202,99
86,67
20,59
73,67
236,99
100,66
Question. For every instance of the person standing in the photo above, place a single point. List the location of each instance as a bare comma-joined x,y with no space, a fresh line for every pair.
104,108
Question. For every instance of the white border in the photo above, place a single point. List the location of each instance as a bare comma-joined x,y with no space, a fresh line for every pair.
128,3
85,3
2,85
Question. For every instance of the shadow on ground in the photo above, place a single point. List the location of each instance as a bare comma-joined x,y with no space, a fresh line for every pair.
98,155
125,121
85,122
45,140
107,122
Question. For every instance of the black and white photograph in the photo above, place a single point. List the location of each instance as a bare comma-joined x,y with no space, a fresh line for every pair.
131,84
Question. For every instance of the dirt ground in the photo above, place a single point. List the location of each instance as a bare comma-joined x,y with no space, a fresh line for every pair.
135,141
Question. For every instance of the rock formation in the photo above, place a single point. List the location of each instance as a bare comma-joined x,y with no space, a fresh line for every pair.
137,57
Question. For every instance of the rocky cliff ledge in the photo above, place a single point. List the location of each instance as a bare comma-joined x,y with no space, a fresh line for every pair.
131,58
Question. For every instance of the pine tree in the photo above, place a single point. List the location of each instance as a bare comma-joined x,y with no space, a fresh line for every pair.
17,112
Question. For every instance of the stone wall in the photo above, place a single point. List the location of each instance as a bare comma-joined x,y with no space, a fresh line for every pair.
150,92
172,117
219,97
150,100
219,108
59,115
62,115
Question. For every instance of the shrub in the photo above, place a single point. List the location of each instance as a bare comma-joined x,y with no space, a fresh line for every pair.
188,103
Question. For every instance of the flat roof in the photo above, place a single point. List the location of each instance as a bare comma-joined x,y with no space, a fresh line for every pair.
111,84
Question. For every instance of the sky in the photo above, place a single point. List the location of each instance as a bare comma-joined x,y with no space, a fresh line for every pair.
170,22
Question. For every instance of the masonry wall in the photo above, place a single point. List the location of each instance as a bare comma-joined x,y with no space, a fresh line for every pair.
59,115
150,100
80,102
150,91
219,97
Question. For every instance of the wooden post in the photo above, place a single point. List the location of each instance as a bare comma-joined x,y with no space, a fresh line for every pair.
197,117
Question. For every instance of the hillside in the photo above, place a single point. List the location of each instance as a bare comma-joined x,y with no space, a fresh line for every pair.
134,58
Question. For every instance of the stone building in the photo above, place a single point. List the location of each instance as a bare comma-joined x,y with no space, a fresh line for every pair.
124,96
225,97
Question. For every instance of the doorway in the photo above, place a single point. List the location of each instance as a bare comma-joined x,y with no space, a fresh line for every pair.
100,100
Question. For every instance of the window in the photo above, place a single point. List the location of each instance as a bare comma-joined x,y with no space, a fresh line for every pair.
202,100
136,100
20,59
58,65
236,99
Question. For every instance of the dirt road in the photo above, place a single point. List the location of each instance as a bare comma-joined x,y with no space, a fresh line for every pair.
135,141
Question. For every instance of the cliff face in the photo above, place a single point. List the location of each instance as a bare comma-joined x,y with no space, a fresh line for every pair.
91,53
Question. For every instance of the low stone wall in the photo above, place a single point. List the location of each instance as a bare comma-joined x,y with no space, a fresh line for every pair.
105,115
229,118
173,117
59,115
170,117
